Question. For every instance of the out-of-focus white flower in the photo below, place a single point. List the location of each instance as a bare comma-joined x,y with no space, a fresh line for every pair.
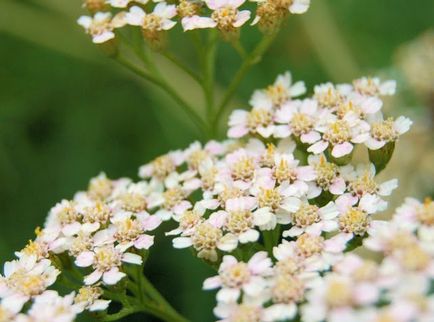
101,26
158,20
235,277
23,279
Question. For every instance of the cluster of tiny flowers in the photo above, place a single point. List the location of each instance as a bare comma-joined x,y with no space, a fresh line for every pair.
332,120
271,208
96,233
157,17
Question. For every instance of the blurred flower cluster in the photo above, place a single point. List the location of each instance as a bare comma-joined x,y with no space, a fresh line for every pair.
275,209
157,17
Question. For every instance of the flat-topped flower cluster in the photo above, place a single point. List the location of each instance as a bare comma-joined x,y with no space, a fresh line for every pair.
157,17
275,209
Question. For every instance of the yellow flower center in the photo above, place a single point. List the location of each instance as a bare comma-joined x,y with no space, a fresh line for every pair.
415,259
301,124
283,172
229,193
100,213
269,198
133,202
225,18
187,8
363,184
309,245
27,284
106,258
246,313
88,295
206,237
329,98
346,107
278,94
354,221
259,117
163,166
243,169
287,289
172,197
128,230
425,213
384,131
338,132
81,243
100,188
366,86
236,275
288,266
326,172
196,158
306,215
338,293
239,221
190,219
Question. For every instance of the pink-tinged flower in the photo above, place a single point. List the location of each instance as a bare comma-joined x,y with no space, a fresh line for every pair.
286,172
207,238
299,118
329,96
24,279
333,299
65,216
196,155
282,91
171,203
361,181
158,20
365,275
286,293
188,221
417,216
226,15
356,220
89,298
50,306
388,237
240,168
274,201
374,87
385,131
251,309
340,135
328,177
259,120
101,26
162,166
240,220
359,105
128,230
316,252
106,260
236,277
312,219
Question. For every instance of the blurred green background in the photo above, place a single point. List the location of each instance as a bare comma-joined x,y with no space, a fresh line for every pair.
68,112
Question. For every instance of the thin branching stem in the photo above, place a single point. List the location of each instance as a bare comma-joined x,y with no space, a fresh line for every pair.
253,58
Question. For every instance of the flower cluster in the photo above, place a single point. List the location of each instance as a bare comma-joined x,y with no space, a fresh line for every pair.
333,119
275,209
157,17
94,235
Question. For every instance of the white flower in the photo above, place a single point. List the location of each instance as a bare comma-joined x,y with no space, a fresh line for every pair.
23,279
385,131
374,87
206,238
340,135
226,15
158,20
88,298
50,306
235,277
101,26
312,219
106,260
279,93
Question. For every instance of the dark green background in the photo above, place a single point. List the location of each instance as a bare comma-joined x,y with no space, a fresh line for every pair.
67,112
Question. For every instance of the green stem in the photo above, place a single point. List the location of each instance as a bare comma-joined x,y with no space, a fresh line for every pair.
268,238
209,76
156,80
183,67
253,58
